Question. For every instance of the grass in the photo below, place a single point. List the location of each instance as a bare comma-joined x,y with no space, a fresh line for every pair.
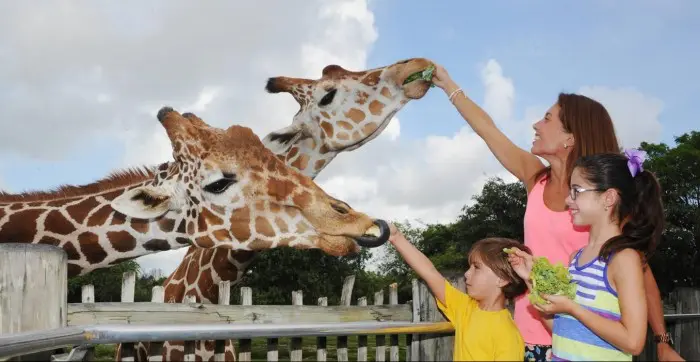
106,352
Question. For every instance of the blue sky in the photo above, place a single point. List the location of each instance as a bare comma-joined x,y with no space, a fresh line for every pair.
547,47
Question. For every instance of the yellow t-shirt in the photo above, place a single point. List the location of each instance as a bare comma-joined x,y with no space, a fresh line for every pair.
480,335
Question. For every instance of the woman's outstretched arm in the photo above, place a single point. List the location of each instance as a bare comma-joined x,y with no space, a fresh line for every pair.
517,161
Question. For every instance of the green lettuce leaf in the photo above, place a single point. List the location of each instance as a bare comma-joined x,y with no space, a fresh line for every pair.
426,75
550,279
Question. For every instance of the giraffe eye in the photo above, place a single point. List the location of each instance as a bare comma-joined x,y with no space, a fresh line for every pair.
220,185
328,98
339,209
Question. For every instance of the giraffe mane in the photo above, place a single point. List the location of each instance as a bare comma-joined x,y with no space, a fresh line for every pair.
115,180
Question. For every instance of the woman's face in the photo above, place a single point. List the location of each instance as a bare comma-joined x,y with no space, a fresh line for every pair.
550,136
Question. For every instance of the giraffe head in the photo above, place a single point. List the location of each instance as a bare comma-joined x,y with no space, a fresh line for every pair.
345,109
231,191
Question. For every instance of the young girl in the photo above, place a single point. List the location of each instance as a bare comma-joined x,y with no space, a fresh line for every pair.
621,203
484,328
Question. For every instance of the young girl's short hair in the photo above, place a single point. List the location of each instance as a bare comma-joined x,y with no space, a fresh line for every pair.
490,252
639,210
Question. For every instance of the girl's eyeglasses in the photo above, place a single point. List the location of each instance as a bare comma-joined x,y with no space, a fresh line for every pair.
574,191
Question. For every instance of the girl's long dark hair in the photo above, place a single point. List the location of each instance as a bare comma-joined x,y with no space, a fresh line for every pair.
640,210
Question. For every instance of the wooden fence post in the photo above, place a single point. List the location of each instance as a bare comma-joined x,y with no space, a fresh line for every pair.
295,352
321,342
346,300
245,345
394,338
33,290
362,339
433,346
380,339
687,332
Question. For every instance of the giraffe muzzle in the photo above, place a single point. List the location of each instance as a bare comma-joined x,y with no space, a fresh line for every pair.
375,236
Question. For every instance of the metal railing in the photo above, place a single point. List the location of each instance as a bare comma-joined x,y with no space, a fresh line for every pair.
39,341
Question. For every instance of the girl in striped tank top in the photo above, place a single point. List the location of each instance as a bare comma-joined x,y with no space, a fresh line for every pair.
621,203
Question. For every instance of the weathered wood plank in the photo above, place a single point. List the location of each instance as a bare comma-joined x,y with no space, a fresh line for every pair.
190,346
687,335
413,353
33,290
87,294
169,313
245,345
380,347
362,340
345,300
321,342
155,349
128,287
295,343
394,338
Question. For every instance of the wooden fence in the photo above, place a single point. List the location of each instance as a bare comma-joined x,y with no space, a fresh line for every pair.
33,278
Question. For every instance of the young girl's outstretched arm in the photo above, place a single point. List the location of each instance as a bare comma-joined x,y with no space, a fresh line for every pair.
420,263
629,333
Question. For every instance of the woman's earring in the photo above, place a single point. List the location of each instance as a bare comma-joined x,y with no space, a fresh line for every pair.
566,146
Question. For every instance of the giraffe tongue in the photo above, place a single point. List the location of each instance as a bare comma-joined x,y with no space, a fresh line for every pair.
375,236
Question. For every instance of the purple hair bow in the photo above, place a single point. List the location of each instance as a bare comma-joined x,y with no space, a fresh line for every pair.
635,158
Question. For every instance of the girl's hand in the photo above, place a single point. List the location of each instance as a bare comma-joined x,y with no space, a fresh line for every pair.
442,79
558,304
521,263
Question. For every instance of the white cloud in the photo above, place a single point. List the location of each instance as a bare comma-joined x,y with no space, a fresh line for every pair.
499,92
635,115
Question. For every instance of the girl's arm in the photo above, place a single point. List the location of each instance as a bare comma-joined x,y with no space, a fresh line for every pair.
420,263
517,161
629,333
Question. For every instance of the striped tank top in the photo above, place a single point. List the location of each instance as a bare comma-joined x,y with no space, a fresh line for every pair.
573,341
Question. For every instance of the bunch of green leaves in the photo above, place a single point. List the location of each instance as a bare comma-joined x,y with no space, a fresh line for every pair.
551,280
426,75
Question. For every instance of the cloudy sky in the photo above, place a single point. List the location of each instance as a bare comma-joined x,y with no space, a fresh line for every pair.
80,84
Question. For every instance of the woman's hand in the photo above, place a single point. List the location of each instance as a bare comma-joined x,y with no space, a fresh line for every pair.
394,232
443,80
521,263
558,304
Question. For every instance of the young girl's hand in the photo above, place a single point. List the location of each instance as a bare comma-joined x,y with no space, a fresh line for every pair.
521,262
557,304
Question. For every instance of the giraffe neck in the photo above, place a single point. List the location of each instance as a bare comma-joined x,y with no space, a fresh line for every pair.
308,157
80,220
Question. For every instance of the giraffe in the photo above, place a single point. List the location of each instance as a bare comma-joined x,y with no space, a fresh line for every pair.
340,112
224,189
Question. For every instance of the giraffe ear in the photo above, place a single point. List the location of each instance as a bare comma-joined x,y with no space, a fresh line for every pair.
282,140
145,202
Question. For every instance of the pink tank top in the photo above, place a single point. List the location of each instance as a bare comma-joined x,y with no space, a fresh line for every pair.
550,234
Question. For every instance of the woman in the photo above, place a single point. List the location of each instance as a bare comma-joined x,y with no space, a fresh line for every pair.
574,126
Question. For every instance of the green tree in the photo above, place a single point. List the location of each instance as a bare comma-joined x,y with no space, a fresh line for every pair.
275,273
107,282
676,262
